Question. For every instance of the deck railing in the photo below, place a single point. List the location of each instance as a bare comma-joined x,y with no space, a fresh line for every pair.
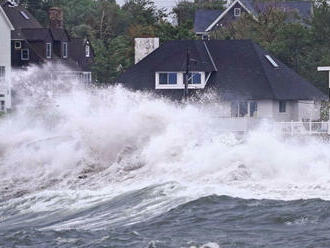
303,128
288,128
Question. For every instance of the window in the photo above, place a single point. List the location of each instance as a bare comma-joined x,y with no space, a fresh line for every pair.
244,109
237,11
2,73
65,50
87,50
18,45
282,106
168,78
25,54
194,78
48,50
25,15
253,109
239,109
272,61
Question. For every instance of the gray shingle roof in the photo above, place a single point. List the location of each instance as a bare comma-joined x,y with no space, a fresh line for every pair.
17,19
203,18
242,71
303,8
37,34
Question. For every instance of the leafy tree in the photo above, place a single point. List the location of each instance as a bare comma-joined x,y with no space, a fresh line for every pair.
185,10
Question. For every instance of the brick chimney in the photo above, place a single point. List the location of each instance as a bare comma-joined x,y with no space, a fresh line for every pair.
145,46
55,17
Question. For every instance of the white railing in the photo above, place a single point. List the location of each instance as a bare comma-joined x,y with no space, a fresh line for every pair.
303,128
288,128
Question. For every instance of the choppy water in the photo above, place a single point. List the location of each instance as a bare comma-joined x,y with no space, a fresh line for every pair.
112,168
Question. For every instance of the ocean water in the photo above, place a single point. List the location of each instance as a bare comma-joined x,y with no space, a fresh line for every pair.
91,167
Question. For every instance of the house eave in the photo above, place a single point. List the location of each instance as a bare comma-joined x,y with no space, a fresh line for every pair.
7,19
226,11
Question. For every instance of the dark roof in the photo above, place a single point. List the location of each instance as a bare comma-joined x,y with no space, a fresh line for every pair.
59,34
37,34
78,52
303,8
16,16
242,71
203,18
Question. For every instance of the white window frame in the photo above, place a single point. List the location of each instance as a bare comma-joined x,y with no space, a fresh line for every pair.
48,50
18,42
192,75
87,50
248,114
180,81
237,11
65,50
28,54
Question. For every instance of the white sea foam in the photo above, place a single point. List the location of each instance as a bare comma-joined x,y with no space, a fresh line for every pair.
68,146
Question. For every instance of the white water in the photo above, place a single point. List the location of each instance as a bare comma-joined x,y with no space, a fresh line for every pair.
68,147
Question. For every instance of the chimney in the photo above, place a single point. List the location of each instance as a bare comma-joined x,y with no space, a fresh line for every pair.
55,17
145,46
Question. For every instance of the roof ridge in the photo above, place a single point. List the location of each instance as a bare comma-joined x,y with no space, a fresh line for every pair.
210,56
263,69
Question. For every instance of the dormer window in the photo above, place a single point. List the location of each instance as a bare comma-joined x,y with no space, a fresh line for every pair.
176,80
48,50
237,11
64,50
87,50
194,78
25,15
168,78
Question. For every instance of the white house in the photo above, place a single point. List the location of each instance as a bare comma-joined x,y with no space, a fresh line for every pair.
250,83
5,61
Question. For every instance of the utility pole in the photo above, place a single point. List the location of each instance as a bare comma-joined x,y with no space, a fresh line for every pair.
185,93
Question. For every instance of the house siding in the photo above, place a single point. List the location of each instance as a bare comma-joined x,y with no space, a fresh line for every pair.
5,60
229,17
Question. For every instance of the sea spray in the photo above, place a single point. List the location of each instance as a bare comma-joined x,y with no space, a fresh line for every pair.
79,162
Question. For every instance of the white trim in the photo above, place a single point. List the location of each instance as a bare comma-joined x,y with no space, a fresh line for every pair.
28,54
179,84
20,44
24,15
65,55
208,77
238,13
225,12
272,61
323,68
50,50
87,50
7,19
